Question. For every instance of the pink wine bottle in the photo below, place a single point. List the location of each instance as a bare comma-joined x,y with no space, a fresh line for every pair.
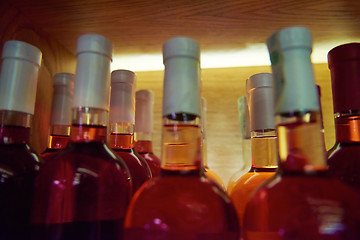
263,140
144,105
302,201
83,192
181,203
19,163
344,156
60,120
122,121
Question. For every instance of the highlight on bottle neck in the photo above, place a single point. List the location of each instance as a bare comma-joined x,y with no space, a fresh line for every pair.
14,127
300,143
181,142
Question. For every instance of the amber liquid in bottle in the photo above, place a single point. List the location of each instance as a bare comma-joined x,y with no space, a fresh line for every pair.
264,166
181,203
123,145
84,191
144,148
343,157
58,139
302,201
19,165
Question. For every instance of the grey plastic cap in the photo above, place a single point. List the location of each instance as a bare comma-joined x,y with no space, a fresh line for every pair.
65,79
94,43
123,76
144,100
122,99
19,76
181,46
22,50
261,101
292,37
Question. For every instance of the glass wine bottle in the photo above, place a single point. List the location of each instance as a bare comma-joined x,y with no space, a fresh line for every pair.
263,141
301,201
181,203
19,163
60,120
245,135
344,156
209,173
122,121
84,191
144,105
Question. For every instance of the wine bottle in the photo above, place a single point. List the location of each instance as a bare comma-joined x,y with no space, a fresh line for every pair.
263,140
181,203
83,192
209,173
144,105
302,201
19,163
245,134
122,121
60,120
344,156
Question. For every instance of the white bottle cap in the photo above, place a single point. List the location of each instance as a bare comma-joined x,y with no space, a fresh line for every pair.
92,85
182,76
144,107
19,74
62,99
261,101
122,103
294,84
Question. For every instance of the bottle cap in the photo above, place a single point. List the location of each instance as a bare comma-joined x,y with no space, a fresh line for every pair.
182,76
294,84
62,99
261,101
19,74
144,100
344,65
181,47
122,100
92,85
244,120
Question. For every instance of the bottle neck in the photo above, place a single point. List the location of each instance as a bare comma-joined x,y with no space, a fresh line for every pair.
121,135
143,142
347,127
300,144
264,148
15,127
181,143
88,125
59,136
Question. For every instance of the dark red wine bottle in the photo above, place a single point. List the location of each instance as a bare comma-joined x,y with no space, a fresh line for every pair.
181,203
60,120
301,201
122,121
84,190
344,156
19,163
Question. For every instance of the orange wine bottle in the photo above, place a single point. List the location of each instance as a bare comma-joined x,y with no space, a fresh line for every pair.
181,203
263,140
122,121
144,105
